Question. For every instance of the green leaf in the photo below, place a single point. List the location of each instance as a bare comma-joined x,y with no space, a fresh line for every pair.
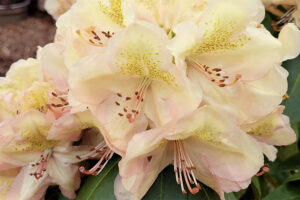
256,187
293,177
166,188
293,163
289,191
102,185
292,103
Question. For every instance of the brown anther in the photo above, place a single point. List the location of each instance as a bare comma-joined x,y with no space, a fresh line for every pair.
222,81
54,94
125,110
119,95
217,69
128,98
121,115
149,158
213,80
136,93
78,157
91,41
134,111
218,74
222,85
117,103
225,77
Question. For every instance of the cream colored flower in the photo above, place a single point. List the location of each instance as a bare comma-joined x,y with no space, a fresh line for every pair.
234,60
88,26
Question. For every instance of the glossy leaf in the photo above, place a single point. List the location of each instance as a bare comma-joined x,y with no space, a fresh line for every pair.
293,163
102,185
292,104
289,191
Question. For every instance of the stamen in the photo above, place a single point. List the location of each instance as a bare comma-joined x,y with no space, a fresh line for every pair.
100,150
132,104
285,97
265,169
90,36
41,166
215,75
183,168
285,18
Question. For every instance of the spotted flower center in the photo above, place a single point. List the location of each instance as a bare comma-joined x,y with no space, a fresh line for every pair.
94,37
183,168
130,106
215,75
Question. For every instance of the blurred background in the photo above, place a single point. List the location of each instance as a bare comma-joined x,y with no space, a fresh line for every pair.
24,25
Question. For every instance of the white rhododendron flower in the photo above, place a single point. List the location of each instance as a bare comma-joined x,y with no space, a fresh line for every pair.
196,84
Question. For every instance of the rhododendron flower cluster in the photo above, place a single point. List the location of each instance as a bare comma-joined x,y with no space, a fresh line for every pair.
192,83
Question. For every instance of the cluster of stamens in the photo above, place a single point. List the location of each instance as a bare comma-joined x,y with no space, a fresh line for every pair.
286,18
61,102
102,151
183,168
216,75
131,105
92,37
41,166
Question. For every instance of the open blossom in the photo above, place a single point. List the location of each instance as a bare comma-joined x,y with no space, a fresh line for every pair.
132,84
43,161
88,26
235,61
58,7
38,127
205,146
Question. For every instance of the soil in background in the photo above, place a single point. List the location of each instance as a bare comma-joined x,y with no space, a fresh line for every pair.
20,40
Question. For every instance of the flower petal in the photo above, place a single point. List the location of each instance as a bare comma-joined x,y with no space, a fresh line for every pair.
51,59
26,187
69,126
290,38
231,39
274,129
146,157
247,100
65,175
